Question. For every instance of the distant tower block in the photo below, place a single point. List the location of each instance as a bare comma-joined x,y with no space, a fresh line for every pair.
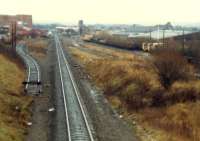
81,26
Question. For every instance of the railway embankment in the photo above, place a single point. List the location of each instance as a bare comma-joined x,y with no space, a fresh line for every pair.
14,105
158,107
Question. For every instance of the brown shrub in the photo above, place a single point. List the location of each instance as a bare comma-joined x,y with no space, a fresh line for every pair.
170,67
38,46
136,93
180,122
183,92
182,119
178,92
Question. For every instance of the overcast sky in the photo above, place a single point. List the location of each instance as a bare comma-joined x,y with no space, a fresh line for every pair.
106,11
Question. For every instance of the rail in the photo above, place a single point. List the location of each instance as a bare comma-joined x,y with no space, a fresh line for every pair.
77,124
33,82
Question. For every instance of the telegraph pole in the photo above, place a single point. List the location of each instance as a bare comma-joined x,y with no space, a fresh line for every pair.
81,26
13,36
158,34
183,41
163,38
150,34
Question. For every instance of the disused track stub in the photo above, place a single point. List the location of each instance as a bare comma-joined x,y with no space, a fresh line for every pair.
33,83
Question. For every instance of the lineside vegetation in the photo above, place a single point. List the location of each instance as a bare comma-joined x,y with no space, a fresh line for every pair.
160,92
14,106
38,46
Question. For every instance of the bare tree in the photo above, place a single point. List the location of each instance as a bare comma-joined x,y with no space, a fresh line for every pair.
170,67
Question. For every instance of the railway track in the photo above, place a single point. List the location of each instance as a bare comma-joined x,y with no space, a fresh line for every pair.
33,81
77,124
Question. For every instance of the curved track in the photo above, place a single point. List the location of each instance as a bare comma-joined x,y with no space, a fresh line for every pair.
33,82
78,128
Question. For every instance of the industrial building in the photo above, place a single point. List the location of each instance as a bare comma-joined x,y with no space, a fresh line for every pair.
21,20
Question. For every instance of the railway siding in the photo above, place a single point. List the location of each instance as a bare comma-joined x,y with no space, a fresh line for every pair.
33,81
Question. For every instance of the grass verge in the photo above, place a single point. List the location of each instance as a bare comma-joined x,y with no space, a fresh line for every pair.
14,106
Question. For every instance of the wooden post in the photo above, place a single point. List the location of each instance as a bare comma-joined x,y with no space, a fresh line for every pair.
13,34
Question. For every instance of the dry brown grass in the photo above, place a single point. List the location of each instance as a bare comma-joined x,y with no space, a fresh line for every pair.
110,53
12,121
37,47
121,74
178,122
131,84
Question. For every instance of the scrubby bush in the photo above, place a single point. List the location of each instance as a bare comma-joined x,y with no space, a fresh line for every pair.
180,122
39,46
170,66
183,92
182,119
137,93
